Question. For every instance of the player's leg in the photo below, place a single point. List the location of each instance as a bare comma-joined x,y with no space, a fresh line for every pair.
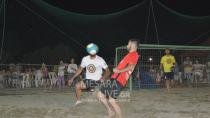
171,77
78,89
103,99
168,85
116,89
167,81
116,107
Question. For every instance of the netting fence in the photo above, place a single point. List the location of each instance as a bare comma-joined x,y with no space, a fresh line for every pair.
148,68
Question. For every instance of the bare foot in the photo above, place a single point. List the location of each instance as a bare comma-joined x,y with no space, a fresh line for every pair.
78,102
111,114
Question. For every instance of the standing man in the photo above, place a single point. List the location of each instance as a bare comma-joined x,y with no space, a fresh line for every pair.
167,64
72,68
94,66
109,92
188,71
61,72
198,72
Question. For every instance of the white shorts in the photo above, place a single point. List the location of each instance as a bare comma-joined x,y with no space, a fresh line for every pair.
198,73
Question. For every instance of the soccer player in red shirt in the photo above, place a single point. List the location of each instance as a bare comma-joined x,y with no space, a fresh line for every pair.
110,91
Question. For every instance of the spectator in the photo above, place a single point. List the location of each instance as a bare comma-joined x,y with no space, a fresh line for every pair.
188,71
72,68
17,76
152,72
31,77
53,79
45,75
8,78
208,71
25,82
38,78
177,75
61,70
198,72
2,78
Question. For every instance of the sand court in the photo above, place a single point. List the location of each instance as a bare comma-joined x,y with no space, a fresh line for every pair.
145,103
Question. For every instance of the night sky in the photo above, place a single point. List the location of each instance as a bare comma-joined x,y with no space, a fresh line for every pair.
26,32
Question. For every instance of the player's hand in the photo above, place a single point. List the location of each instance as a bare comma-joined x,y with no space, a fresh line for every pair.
70,81
115,70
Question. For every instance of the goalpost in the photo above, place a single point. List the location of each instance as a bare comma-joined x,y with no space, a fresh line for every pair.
150,55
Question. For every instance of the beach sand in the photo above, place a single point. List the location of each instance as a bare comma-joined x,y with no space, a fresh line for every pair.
144,103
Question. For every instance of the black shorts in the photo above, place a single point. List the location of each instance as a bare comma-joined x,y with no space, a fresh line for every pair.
111,88
168,75
91,84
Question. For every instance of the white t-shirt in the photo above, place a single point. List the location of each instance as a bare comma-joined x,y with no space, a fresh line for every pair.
198,67
72,68
61,70
94,67
187,63
38,73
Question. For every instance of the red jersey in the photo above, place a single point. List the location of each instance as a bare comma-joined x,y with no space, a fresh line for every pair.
130,58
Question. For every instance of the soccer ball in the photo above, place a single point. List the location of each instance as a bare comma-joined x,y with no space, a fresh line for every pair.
92,48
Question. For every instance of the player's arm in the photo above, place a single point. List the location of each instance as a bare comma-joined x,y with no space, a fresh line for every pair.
174,61
106,73
76,67
106,69
78,72
130,67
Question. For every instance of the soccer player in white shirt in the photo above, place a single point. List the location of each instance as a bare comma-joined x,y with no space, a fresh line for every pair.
94,66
